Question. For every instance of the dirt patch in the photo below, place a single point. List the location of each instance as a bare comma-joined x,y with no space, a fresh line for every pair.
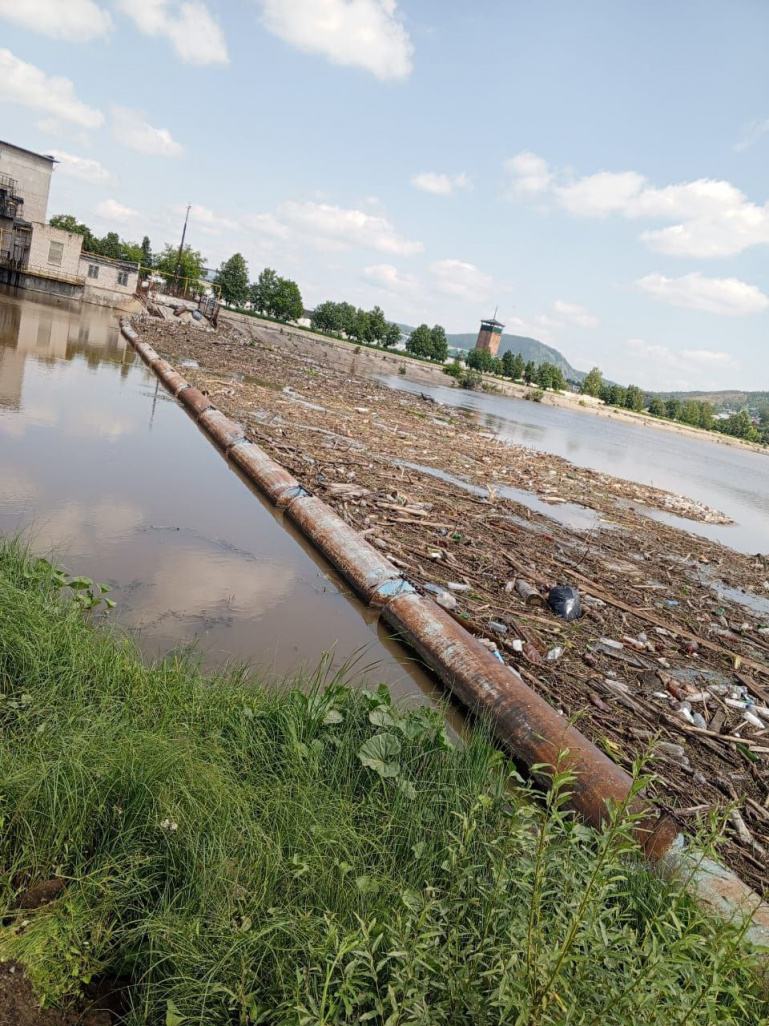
20,1007
663,651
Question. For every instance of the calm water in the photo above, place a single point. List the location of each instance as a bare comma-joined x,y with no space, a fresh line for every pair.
728,478
100,465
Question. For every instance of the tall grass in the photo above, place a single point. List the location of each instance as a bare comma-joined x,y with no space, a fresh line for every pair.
311,856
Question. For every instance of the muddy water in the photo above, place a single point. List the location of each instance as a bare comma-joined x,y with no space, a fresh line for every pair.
100,464
725,477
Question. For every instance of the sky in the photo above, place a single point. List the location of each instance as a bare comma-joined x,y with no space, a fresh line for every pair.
594,170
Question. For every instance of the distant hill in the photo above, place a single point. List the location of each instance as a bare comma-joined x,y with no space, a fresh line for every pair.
529,348
726,400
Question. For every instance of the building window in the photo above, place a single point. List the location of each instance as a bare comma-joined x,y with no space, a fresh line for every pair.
55,253
93,271
122,277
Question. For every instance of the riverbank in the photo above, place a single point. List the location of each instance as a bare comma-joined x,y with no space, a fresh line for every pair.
373,361
181,848
433,493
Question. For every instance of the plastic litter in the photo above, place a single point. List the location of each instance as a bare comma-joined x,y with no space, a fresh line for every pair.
554,654
565,602
442,597
500,628
453,586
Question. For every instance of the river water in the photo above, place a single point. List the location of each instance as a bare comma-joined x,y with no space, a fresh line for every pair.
100,465
725,477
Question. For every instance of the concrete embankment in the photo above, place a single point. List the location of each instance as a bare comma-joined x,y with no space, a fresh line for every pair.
533,732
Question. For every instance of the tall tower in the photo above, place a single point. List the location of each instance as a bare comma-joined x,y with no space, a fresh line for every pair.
490,335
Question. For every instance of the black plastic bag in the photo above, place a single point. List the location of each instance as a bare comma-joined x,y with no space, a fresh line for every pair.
564,601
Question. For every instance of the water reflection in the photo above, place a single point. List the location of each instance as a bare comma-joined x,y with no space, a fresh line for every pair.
100,465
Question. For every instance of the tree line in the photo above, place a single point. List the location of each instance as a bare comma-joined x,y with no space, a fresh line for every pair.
693,412
270,294
512,365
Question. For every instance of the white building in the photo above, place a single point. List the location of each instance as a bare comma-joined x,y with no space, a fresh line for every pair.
37,256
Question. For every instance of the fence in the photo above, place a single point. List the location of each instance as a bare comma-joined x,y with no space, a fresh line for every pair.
205,295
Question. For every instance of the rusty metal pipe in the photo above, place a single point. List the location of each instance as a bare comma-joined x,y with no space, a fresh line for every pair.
170,377
366,569
269,477
195,401
224,431
533,732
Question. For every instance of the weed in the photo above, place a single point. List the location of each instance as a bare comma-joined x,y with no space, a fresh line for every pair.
312,856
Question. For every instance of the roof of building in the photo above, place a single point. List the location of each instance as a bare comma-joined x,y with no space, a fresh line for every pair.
492,320
22,149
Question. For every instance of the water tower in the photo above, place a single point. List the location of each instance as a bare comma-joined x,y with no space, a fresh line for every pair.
490,335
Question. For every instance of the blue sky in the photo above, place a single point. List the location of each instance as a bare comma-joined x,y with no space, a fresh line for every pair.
597,170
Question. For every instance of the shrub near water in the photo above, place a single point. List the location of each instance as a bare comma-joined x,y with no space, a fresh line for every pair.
310,857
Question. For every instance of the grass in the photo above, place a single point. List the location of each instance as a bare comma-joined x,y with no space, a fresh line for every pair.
312,855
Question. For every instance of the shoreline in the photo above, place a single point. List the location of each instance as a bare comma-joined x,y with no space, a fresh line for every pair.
425,373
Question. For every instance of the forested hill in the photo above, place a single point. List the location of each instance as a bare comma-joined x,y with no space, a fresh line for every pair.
529,348
728,399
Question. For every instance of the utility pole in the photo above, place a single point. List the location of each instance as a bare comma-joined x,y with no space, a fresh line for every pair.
181,246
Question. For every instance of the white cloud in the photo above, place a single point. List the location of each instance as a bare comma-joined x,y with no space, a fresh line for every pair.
752,132
458,278
657,366
77,21
188,25
573,313
84,168
130,129
266,224
343,227
600,195
111,210
28,86
714,218
530,175
440,184
365,34
728,296
208,221
390,278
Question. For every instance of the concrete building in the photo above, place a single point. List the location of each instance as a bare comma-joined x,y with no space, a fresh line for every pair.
490,335
34,255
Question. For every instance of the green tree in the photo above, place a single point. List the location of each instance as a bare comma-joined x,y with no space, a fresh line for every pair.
657,408
347,316
359,327
673,407
263,290
440,344
454,369
512,365
689,412
592,383
377,325
131,251
146,257
530,372
420,341
326,317
706,415
392,335
232,279
191,265
558,380
68,223
544,376
634,398
479,359
287,302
